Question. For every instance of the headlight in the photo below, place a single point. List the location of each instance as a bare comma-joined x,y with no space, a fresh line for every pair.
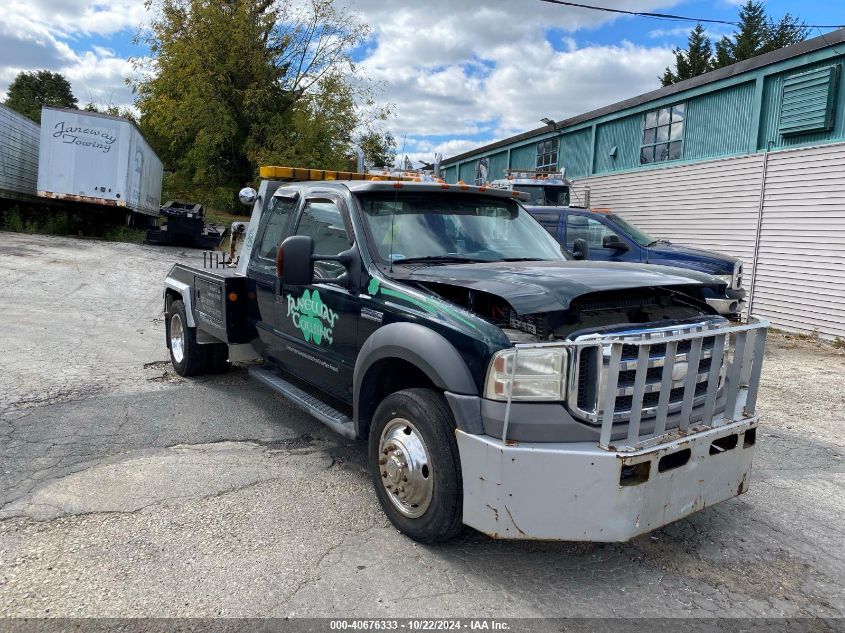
527,374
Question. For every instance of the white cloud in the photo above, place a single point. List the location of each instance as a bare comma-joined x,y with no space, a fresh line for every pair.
46,33
489,70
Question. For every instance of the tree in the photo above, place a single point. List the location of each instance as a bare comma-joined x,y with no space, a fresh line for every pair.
234,83
758,34
108,107
693,61
787,31
379,148
29,91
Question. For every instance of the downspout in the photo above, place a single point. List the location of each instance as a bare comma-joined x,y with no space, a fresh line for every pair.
759,227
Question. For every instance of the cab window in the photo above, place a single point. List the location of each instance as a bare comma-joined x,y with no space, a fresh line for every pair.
584,228
549,221
321,220
277,222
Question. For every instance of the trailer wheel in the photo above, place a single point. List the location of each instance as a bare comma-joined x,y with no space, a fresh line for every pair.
415,466
188,357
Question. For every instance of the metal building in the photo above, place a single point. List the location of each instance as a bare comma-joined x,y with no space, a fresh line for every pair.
18,155
748,160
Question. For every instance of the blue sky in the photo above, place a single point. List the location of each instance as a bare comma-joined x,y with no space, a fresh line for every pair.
458,73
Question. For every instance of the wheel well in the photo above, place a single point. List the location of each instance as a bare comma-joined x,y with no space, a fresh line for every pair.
170,296
384,377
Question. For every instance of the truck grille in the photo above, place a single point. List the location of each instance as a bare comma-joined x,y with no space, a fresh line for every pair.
668,375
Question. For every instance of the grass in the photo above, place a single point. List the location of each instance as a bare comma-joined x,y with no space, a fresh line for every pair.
223,217
104,224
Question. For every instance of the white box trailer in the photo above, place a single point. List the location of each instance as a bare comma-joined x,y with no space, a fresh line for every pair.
99,159
19,138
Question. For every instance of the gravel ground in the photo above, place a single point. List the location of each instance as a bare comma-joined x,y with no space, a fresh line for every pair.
127,491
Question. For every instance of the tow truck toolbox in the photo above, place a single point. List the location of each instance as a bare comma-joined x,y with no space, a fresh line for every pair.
499,384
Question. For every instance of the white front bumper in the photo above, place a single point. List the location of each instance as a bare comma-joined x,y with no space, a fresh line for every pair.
572,491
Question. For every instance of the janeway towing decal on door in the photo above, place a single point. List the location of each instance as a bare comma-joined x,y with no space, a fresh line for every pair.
312,317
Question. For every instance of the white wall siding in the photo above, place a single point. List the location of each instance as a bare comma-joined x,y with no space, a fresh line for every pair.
18,154
801,266
800,282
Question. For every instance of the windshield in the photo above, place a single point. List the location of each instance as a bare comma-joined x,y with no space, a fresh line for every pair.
545,195
424,226
641,238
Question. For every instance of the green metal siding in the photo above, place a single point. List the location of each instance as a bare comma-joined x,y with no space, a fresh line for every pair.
574,153
498,166
466,172
770,115
718,123
450,174
524,156
623,134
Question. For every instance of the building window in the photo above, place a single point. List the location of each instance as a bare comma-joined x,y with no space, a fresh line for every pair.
547,155
663,135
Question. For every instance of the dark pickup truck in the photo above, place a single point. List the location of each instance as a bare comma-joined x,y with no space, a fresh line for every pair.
498,383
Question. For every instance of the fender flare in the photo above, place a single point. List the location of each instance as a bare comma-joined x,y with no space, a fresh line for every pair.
184,291
424,348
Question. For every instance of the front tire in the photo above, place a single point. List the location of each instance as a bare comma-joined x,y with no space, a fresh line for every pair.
187,356
415,466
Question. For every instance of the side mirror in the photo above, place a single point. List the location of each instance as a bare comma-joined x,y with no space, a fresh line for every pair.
247,196
614,243
580,249
294,260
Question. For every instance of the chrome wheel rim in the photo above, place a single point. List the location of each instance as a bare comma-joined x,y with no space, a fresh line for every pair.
405,468
177,338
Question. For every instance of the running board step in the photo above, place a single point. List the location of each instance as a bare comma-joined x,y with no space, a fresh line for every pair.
331,417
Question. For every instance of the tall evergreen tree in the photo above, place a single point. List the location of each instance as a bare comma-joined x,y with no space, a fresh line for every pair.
785,32
693,61
31,90
752,34
757,34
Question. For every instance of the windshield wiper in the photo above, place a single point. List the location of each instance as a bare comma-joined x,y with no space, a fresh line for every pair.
522,259
444,259
660,241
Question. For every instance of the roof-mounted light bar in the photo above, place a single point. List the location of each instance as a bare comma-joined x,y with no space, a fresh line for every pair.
295,174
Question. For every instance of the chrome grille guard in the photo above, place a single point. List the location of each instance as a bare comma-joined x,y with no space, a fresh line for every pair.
680,369
682,378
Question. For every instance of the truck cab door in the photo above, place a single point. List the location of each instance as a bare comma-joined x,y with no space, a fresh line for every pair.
317,324
594,231
261,270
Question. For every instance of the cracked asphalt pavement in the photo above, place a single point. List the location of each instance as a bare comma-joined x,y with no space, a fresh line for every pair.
128,491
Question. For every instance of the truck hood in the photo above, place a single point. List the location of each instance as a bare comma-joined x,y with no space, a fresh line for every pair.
687,256
547,286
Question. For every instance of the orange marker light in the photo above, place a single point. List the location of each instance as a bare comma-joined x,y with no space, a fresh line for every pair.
233,296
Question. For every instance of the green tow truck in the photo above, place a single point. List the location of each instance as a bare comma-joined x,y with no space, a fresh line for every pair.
499,383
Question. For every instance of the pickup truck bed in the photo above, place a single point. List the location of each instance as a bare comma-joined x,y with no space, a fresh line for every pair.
216,300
